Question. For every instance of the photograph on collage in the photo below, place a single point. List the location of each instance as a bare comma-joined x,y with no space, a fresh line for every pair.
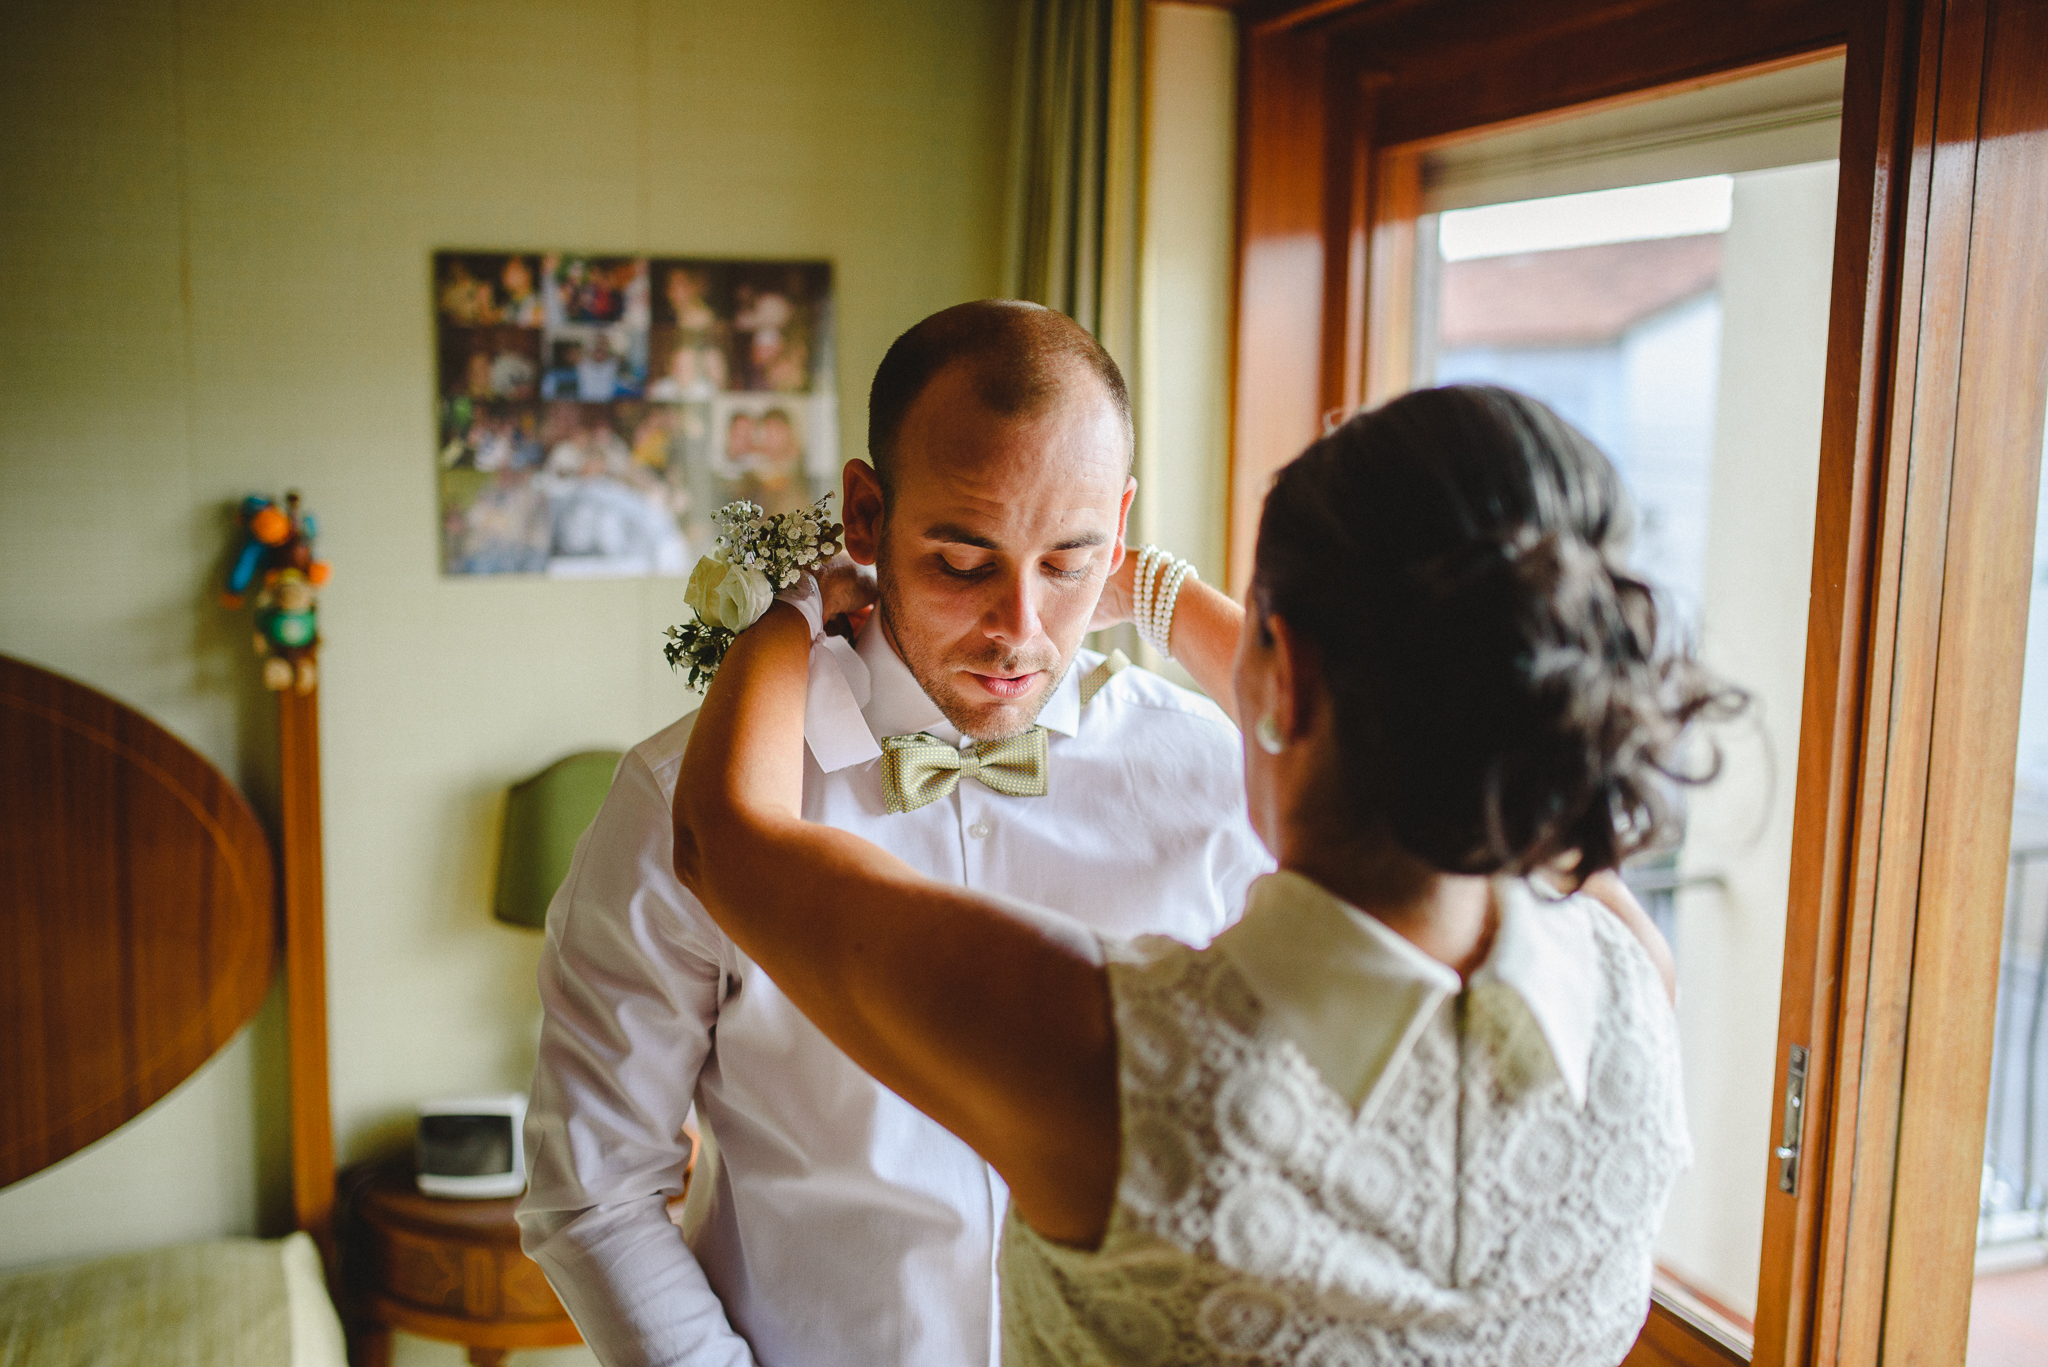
594,410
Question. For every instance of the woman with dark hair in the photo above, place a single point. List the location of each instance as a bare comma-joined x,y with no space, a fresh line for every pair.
1421,1103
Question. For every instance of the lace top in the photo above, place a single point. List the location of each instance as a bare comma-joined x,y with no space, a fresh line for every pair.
1491,1195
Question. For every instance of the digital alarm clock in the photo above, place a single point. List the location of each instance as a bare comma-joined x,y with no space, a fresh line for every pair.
469,1147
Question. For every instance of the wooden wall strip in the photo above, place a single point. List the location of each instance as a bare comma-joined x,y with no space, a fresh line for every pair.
305,940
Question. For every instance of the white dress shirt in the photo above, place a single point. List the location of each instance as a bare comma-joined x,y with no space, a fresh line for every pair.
844,1226
1335,1151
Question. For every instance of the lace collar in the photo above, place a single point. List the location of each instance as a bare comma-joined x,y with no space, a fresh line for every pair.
1354,995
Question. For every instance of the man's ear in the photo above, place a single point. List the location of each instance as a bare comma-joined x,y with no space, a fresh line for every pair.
1123,520
861,498
1297,680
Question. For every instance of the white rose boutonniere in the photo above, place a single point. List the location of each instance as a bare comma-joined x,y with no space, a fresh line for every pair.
726,595
756,557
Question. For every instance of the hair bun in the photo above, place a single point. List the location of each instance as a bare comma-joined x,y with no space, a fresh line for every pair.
1504,698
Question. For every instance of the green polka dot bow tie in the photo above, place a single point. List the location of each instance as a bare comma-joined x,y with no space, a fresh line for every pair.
921,769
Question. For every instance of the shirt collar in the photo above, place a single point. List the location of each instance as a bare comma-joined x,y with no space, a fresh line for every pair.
1355,996
898,705
1544,951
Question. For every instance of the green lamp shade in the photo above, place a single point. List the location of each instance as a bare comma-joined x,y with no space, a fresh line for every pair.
544,818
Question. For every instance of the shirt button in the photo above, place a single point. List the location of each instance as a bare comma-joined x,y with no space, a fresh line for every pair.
979,830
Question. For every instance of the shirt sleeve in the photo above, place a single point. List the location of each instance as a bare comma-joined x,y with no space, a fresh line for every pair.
1244,862
1238,858
630,982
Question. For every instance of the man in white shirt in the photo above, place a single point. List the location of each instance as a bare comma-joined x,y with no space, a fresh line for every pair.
842,1226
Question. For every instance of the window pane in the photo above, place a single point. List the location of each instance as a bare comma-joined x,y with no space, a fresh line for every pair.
1683,327
2009,1312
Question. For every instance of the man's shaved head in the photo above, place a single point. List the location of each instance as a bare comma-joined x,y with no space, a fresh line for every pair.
996,505
1022,357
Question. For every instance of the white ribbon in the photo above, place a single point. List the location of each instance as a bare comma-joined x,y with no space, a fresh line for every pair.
839,687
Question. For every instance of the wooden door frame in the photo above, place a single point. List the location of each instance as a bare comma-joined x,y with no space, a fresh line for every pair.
1979,394
1909,677
1337,98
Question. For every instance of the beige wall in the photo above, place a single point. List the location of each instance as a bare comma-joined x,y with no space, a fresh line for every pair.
214,241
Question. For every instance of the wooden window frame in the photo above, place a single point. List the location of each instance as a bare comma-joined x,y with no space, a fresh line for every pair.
1937,344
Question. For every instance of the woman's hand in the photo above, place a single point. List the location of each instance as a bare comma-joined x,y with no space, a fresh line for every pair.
850,590
1119,593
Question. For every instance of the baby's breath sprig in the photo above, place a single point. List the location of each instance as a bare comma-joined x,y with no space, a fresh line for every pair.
755,557
700,647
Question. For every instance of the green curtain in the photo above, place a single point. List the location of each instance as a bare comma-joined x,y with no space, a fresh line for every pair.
1076,165
1076,180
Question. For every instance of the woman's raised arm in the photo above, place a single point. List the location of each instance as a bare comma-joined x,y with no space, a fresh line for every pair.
994,1020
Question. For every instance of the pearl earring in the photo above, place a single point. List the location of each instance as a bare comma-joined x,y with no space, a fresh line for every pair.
1267,734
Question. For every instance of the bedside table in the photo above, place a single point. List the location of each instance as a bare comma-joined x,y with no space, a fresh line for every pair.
448,1270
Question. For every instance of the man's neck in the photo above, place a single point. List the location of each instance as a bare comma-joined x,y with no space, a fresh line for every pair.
897,702
880,620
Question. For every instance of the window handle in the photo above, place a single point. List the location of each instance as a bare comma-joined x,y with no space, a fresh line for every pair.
1787,1152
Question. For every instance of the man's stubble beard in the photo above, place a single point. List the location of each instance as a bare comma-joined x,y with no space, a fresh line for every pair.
935,677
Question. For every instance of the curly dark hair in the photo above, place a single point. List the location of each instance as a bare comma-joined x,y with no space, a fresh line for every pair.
1503,696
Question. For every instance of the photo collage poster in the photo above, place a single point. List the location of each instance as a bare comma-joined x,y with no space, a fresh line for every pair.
596,410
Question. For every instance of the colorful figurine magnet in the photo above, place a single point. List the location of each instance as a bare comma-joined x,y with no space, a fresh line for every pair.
276,557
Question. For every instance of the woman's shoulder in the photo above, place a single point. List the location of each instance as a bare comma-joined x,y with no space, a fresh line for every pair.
1622,959
1186,1021
1154,974
1634,1070
1602,987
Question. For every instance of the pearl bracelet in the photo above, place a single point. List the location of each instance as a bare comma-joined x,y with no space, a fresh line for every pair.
1158,589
